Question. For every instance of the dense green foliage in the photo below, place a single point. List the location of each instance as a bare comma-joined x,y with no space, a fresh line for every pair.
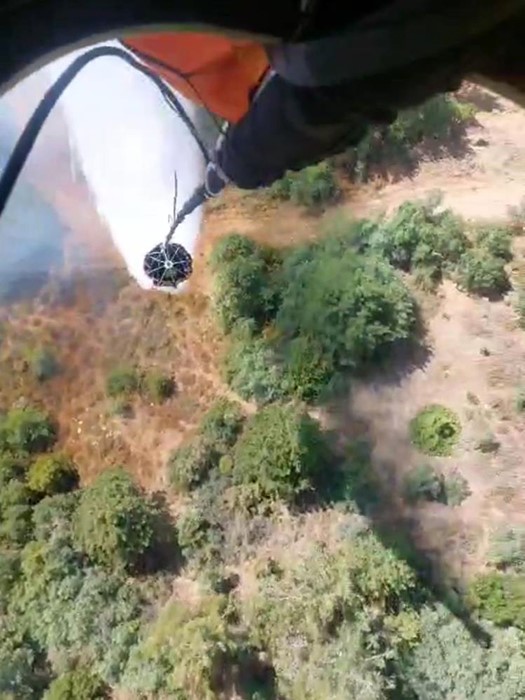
79,684
242,284
115,522
16,525
311,187
421,237
495,240
353,602
251,368
122,381
449,663
76,613
435,430
278,456
12,467
352,306
436,121
500,598
222,424
51,474
9,572
190,464
184,653
300,353
20,678
480,272
53,516
26,430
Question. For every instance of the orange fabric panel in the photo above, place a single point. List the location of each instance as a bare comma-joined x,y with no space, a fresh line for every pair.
223,71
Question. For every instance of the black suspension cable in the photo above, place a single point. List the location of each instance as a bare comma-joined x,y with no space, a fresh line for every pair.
27,138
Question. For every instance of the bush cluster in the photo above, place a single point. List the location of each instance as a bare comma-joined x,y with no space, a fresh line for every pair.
435,430
333,310
278,456
115,523
26,430
191,464
311,187
425,483
122,383
438,119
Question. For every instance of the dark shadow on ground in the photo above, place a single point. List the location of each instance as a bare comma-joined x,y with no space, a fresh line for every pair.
394,161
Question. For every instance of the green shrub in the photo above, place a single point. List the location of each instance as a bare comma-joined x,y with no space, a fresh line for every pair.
436,119
231,248
79,684
355,483
424,483
27,430
450,663
43,364
222,424
14,493
500,598
9,574
311,187
115,522
51,474
16,525
435,430
483,274
122,381
495,240
279,455
508,549
197,536
308,372
185,653
158,386
422,238
353,306
19,673
190,464
308,617
54,515
76,612
456,489
242,287
251,369
12,467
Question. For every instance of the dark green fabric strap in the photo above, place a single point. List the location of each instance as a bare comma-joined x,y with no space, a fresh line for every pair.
402,33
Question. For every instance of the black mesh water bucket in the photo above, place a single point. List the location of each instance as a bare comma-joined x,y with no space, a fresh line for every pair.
168,265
